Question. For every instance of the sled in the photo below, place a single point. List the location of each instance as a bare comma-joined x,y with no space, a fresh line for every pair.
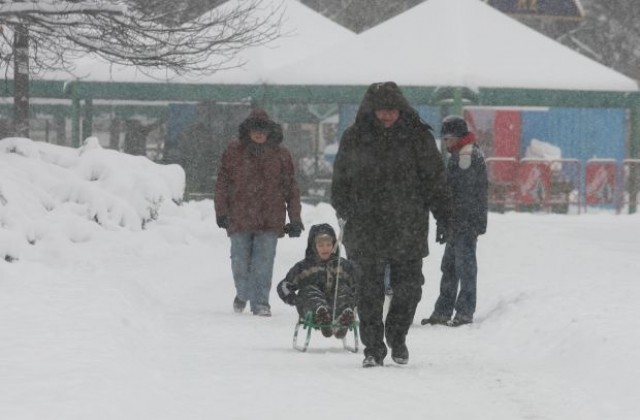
307,324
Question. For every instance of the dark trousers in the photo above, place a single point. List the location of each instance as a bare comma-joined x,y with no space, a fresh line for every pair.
311,297
459,266
406,281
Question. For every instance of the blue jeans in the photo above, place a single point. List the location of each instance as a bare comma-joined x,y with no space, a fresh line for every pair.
459,266
252,255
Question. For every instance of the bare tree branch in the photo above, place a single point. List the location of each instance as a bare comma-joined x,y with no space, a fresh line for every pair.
131,33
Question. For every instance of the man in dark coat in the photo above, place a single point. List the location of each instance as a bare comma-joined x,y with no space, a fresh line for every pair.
467,177
255,189
388,175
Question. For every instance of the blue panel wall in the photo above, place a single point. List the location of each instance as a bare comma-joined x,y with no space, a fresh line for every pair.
180,118
431,115
347,116
580,133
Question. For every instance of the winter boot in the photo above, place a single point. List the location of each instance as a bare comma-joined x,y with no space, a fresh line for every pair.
435,320
262,311
400,354
371,361
344,321
460,320
238,305
323,319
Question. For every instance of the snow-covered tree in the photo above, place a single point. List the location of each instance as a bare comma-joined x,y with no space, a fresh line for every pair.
177,36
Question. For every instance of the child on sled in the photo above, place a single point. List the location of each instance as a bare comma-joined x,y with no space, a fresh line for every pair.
310,284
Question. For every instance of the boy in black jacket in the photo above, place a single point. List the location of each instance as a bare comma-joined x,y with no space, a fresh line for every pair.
467,179
314,279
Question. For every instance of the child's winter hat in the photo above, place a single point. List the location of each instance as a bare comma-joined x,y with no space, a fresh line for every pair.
454,126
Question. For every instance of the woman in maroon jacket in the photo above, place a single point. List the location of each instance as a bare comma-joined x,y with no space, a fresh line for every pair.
255,190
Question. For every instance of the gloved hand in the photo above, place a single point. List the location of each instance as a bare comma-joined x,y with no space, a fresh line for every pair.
294,229
341,216
223,222
290,299
442,234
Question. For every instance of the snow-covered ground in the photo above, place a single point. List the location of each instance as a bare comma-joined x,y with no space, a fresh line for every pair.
102,319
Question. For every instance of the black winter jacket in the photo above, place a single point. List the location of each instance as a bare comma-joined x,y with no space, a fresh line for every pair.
469,187
385,183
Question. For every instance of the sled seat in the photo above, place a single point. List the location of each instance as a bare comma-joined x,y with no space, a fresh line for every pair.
309,325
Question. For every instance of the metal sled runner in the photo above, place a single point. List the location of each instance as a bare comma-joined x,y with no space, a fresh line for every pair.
307,324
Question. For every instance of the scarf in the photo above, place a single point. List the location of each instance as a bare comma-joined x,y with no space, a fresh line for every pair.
468,138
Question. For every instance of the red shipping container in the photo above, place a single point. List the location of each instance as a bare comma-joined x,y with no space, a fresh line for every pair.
506,144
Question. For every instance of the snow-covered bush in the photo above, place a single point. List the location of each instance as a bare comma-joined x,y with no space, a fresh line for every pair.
48,190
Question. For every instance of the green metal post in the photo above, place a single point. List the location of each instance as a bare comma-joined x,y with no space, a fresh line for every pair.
452,102
453,105
634,153
75,117
87,121
75,123
260,98
21,82
457,101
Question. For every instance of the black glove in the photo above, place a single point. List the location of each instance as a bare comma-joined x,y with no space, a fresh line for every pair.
294,229
223,222
442,234
290,299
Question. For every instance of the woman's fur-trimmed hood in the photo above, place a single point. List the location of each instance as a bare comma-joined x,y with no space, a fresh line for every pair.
259,120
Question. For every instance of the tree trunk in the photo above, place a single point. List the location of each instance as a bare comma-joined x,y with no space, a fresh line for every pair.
21,82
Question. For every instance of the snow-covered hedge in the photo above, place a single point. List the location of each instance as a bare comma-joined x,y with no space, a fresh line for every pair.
49,191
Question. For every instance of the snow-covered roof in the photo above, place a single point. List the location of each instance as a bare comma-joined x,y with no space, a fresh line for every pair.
303,32
454,43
